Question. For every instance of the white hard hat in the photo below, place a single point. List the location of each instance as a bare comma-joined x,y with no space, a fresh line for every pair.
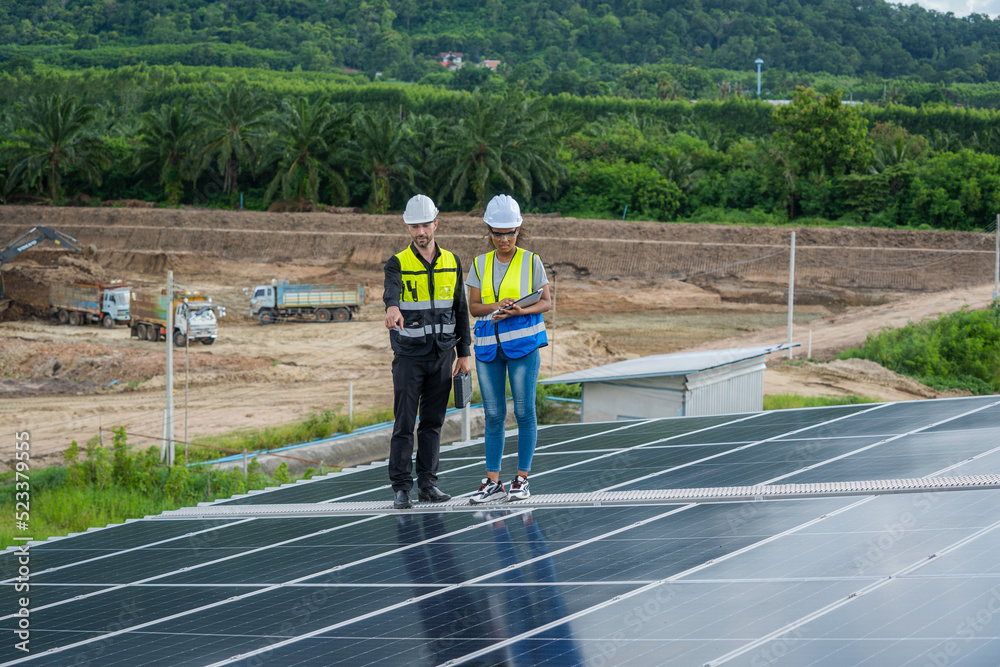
503,212
420,209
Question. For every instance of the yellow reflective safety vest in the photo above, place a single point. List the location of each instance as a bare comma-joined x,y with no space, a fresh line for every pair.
426,304
518,335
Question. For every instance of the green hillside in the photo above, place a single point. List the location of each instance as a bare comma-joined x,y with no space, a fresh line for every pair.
404,38
636,110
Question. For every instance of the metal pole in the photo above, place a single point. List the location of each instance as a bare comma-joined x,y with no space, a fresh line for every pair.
996,267
809,351
187,374
244,463
163,437
350,404
170,368
467,422
552,341
791,292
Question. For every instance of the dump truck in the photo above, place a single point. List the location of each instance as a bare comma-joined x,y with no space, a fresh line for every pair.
195,317
107,303
322,303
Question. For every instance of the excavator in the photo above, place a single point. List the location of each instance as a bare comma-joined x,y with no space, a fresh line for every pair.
29,240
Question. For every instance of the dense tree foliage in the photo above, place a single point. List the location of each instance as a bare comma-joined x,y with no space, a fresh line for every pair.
199,136
612,109
562,46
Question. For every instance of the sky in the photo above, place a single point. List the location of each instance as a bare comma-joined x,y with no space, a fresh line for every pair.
960,7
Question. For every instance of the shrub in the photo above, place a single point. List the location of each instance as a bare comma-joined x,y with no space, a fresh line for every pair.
956,351
609,187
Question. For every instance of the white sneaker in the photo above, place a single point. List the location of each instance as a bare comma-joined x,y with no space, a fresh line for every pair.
518,489
490,490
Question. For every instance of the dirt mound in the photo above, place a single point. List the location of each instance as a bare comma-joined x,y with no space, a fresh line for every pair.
27,284
127,203
835,265
42,386
104,366
852,376
291,206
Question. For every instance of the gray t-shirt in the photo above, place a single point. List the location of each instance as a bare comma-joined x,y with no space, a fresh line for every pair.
538,277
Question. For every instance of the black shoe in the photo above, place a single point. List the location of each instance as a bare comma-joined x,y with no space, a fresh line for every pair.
432,494
402,500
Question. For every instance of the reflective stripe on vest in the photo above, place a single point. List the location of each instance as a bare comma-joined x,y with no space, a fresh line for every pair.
426,330
520,334
426,314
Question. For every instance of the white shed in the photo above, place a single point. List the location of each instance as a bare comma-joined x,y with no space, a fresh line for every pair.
708,382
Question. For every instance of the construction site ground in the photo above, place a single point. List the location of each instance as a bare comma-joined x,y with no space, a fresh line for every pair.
622,290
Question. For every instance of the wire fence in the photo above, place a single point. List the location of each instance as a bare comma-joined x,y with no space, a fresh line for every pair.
895,265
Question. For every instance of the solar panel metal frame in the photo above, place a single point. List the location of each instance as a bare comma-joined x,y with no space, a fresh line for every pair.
945,481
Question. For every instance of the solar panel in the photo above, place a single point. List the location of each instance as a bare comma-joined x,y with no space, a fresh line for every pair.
771,555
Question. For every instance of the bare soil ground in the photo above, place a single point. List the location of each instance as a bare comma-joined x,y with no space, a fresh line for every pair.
622,290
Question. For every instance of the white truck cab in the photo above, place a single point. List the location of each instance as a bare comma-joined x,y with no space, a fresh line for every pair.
117,303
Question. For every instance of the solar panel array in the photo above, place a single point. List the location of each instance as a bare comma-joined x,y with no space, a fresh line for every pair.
866,579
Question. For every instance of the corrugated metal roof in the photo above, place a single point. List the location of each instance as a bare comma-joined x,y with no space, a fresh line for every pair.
678,363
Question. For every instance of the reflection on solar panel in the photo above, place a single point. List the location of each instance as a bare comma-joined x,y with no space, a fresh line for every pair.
775,560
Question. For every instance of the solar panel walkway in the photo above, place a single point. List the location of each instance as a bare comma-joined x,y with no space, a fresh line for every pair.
852,535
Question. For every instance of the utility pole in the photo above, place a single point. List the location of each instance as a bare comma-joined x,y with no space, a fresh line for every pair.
187,373
169,427
552,337
791,292
552,334
996,259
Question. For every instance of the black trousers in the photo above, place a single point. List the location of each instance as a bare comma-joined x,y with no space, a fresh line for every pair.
423,384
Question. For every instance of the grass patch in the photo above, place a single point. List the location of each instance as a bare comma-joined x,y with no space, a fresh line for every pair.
101,486
790,401
316,426
555,412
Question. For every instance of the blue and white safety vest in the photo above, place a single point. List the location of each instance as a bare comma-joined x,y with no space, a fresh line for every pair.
517,335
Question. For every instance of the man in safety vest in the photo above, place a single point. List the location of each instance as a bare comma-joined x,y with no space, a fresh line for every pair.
427,318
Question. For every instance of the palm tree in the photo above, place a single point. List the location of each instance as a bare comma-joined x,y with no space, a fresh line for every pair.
381,153
889,154
235,128
424,139
168,145
533,153
711,135
503,138
679,168
944,142
304,149
57,137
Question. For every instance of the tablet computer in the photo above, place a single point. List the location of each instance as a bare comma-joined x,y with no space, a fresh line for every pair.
530,299
523,301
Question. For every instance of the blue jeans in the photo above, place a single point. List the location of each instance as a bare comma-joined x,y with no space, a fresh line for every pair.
523,374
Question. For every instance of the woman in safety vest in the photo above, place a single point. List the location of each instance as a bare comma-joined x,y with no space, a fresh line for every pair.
506,338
